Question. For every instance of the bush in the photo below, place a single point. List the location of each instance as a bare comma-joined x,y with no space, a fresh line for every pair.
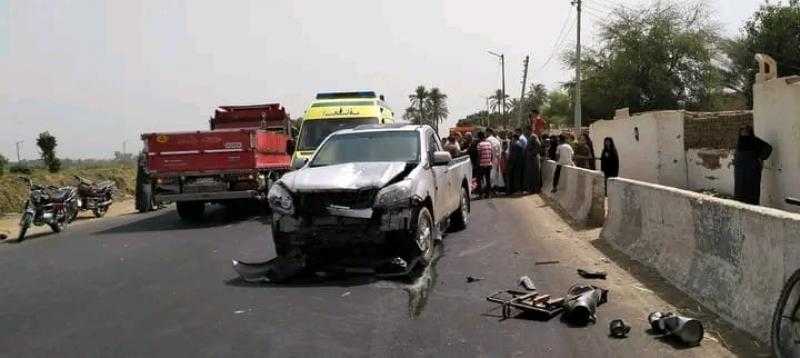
3,164
20,169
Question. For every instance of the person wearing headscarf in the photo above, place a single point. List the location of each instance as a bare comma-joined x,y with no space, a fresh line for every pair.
609,160
516,164
533,175
751,152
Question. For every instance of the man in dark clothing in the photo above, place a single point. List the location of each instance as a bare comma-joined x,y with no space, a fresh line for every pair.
533,175
751,152
516,164
551,152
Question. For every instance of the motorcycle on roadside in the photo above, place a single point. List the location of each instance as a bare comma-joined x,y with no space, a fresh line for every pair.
96,196
47,205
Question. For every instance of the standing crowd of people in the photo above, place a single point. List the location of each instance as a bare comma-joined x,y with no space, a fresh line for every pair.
510,161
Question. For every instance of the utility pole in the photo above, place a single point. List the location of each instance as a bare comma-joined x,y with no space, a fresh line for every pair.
124,149
19,147
520,115
578,71
503,69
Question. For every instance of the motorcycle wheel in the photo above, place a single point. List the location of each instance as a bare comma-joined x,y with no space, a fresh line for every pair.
100,211
57,227
25,223
22,231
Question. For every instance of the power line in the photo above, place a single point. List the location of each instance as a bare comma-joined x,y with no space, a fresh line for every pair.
557,45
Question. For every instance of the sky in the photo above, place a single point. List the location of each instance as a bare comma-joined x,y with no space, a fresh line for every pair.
97,74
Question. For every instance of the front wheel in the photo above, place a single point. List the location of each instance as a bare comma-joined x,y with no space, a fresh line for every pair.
785,334
24,224
422,236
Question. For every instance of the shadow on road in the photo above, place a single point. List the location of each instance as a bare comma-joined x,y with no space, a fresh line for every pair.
168,220
737,341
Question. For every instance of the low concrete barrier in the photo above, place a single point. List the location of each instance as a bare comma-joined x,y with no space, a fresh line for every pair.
731,257
581,193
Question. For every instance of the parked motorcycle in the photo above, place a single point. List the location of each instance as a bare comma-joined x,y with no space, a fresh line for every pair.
48,205
94,196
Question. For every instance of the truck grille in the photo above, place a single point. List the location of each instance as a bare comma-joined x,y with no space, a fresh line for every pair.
316,203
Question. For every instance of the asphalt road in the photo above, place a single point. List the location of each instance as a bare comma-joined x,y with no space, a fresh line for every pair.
148,285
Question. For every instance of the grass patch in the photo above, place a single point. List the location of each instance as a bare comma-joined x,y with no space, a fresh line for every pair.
13,193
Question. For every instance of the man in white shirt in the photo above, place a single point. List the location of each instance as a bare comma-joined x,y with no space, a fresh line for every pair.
564,154
497,149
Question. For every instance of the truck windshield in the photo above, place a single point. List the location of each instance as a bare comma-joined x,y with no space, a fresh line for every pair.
315,131
394,146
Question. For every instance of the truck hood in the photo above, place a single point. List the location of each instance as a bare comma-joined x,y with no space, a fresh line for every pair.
350,176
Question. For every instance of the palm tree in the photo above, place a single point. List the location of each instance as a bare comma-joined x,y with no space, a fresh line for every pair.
437,106
496,100
418,99
412,115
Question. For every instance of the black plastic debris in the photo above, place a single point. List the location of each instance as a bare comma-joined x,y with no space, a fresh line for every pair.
686,330
279,269
592,274
581,302
3,237
526,283
618,328
471,279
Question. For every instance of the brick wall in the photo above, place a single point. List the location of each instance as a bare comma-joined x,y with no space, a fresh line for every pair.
718,130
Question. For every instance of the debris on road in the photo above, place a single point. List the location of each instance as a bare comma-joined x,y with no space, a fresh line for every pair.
551,262
471,279
526,283
3,237
581,302
540,305
592,274
687,330
278,269
618,328
346,294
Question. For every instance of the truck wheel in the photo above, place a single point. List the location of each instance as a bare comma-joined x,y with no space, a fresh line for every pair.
144,191
421,236
191,210
460,218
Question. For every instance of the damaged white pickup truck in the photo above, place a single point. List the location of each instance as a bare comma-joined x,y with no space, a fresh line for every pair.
374,195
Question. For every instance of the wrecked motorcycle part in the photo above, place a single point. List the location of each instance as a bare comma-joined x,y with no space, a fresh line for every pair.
687,330
581,301
618,328
592,274
279,269
551,262
534,303
526,283
471,279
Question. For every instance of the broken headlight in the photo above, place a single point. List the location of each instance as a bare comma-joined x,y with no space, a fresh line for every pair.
280,200
394,194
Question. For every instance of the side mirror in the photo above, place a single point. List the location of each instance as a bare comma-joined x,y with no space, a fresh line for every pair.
441,158
298,163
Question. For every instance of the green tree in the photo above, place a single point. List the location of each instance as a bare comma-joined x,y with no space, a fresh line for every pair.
534,98
47,144
412,114
496,100
651,58
774,30
3,164
558,108
437,107
418,99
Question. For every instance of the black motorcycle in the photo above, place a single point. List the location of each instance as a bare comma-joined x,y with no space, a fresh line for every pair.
94,196
47,205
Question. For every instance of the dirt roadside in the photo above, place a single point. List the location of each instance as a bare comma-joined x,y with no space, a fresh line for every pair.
9,223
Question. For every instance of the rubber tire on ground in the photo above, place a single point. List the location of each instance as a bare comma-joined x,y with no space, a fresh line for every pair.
100,212
144,191
22,231
779,307
459,221
422,213
191,210
57,227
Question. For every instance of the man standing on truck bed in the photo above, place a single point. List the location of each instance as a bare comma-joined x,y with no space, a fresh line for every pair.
334,111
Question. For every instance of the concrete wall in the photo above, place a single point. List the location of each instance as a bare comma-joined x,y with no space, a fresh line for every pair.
658,156
710,170
731,257
581,193
776,109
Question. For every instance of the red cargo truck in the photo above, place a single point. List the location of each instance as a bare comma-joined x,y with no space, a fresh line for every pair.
247,149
